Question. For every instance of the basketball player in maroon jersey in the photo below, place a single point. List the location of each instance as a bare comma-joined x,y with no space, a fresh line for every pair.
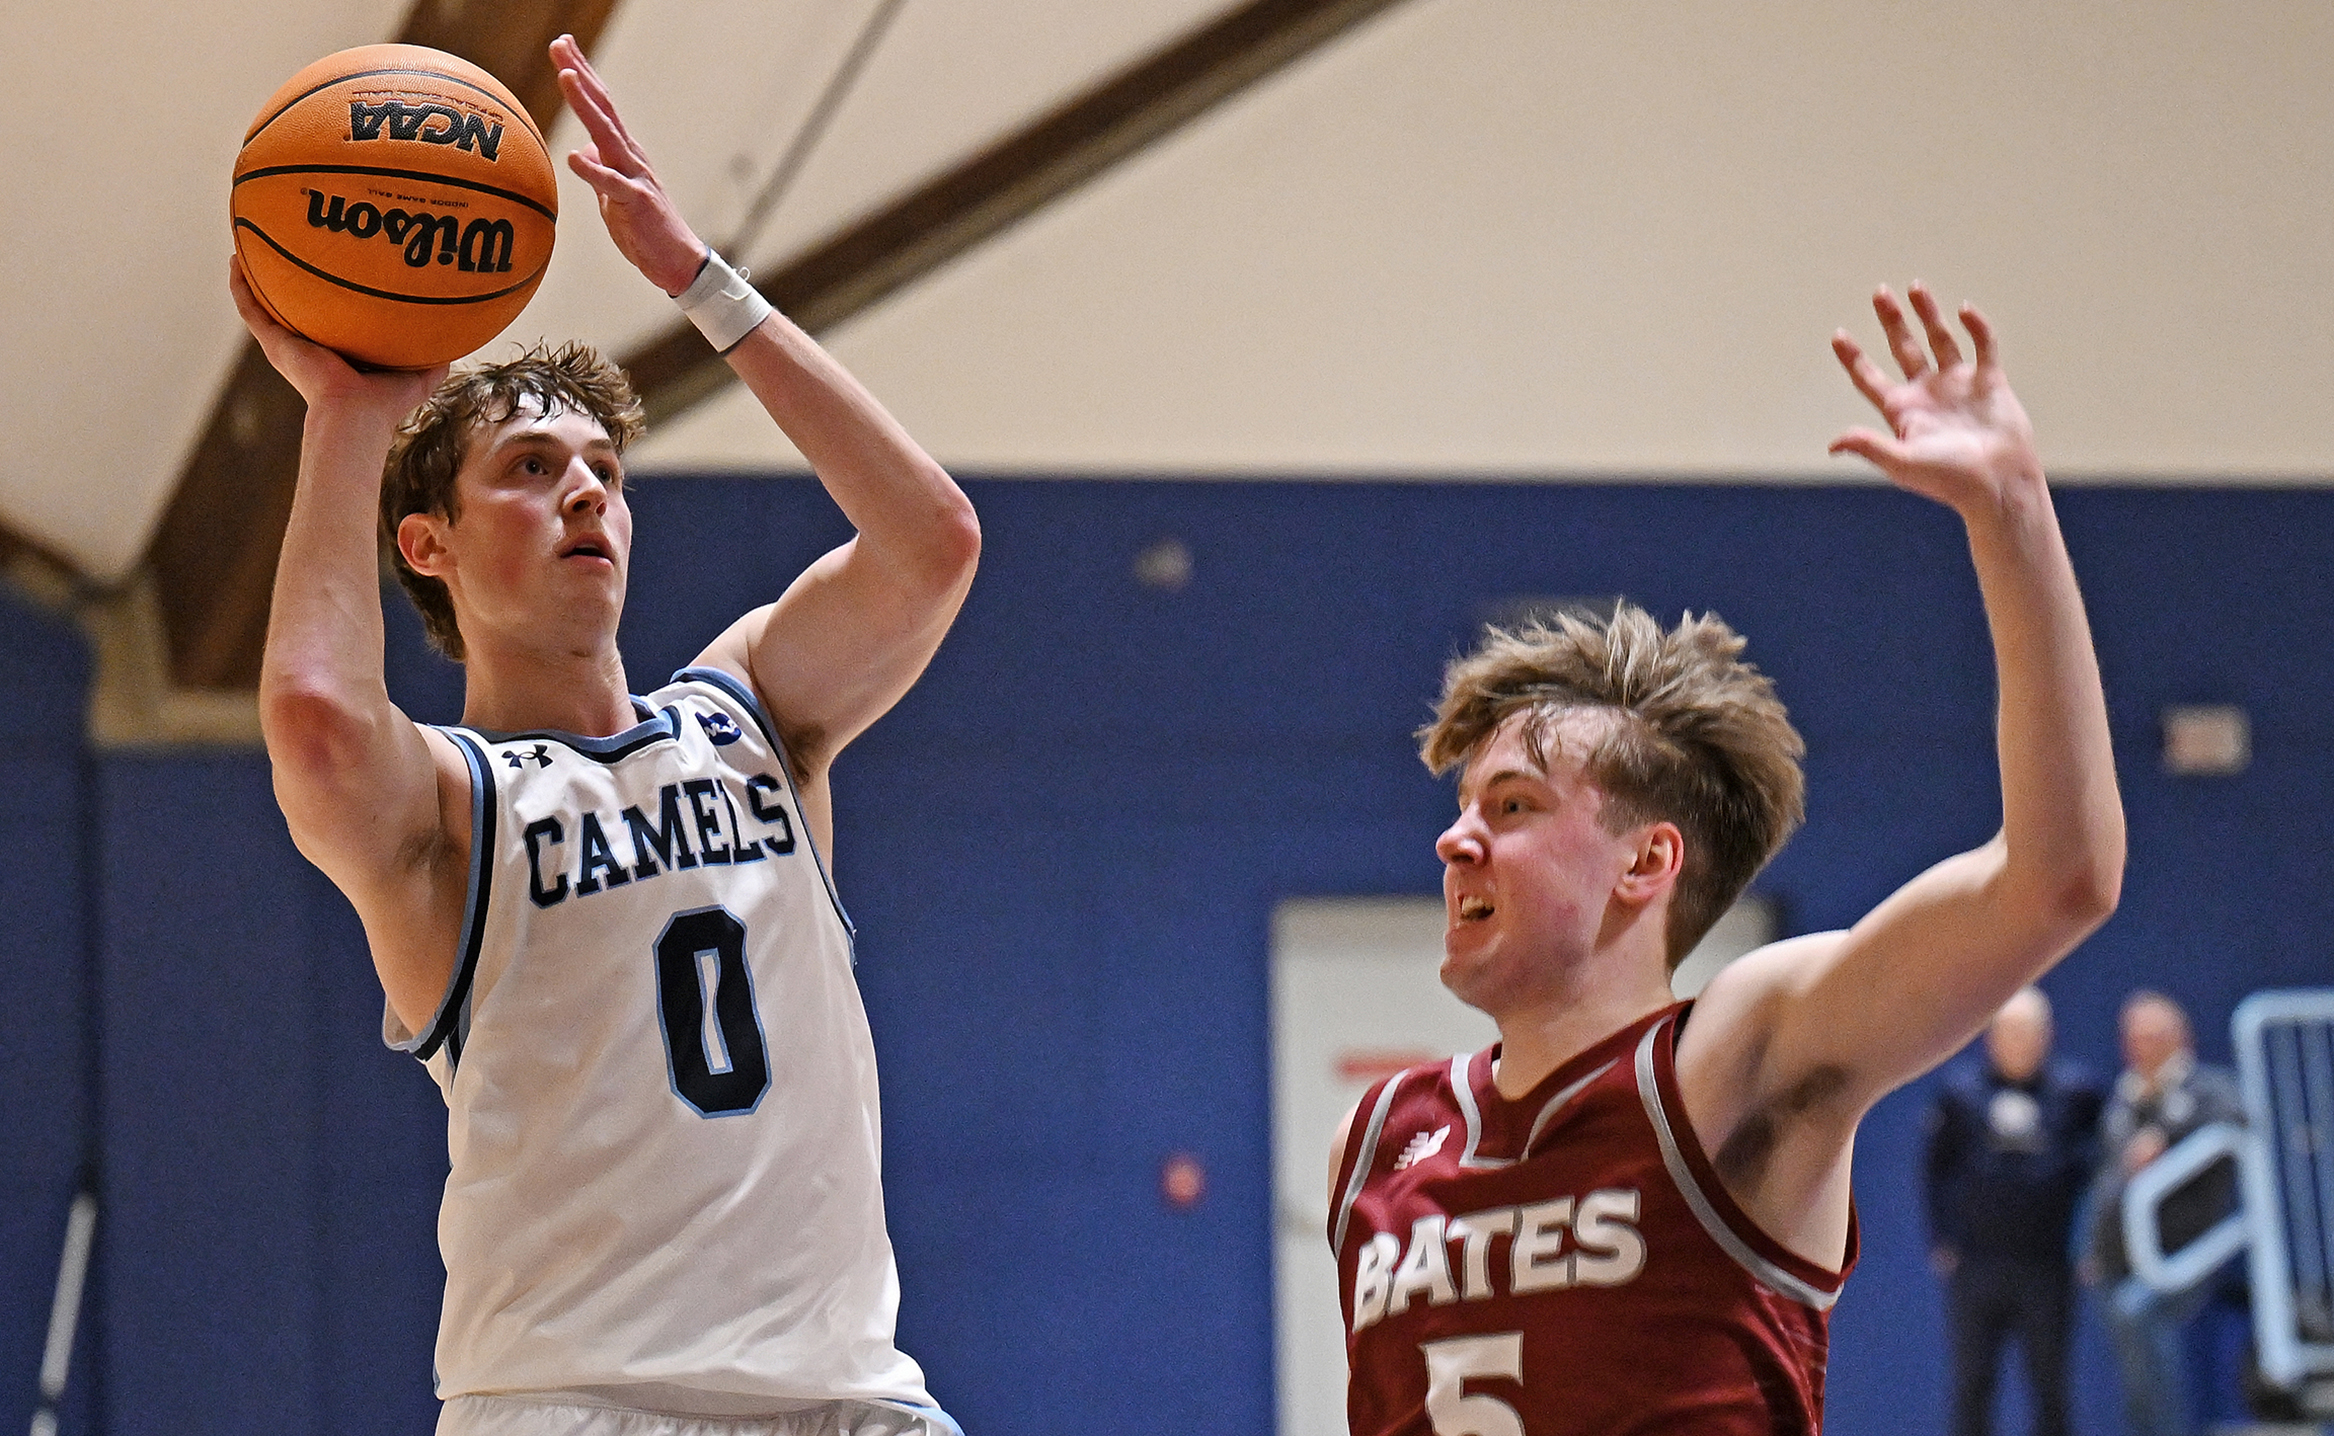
1632,1215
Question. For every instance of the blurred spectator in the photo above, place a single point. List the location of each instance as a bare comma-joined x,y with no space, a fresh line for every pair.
2163,1095
2012,1141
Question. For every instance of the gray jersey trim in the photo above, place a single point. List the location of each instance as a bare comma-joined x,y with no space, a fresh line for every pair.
1462,1085
1556,1104
1362,1161
1729,1241
1463,1088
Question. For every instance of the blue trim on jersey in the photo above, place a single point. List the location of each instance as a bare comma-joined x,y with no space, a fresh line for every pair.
728,683
652,727
451,1023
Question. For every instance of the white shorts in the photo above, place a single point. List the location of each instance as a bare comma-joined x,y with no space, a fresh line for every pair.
521,1416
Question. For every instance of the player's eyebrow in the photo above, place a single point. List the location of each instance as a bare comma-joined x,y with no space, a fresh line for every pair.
1471,787
602,447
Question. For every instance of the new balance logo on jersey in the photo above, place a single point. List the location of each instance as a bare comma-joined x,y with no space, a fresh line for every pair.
518,760
570,855
1421,1147
721,728
1548,1246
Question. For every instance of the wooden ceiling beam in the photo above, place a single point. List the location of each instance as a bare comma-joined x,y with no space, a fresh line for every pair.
213,557
1018,174
22,553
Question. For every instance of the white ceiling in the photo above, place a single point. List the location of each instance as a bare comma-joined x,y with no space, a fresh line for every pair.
1537,238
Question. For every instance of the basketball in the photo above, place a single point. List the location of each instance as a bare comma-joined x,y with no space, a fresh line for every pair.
394,203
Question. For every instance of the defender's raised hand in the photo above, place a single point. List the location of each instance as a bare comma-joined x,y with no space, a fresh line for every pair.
1956,432
641,218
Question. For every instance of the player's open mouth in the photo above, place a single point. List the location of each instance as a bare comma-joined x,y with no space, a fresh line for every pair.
1473,909
588,549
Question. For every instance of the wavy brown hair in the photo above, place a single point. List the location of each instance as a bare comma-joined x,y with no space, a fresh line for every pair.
1697,737
432,443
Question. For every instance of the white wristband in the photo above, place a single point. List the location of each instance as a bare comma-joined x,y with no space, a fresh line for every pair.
723,305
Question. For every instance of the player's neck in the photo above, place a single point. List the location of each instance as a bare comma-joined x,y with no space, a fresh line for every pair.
524,689
1603,995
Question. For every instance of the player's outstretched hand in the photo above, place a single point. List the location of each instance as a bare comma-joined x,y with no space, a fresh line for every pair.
1956,432
641,218
322,376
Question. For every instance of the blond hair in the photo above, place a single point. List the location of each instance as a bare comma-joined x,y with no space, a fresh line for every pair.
418,477
1696,737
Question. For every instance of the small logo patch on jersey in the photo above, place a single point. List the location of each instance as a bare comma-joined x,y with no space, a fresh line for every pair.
1421,1147
721,728
518,759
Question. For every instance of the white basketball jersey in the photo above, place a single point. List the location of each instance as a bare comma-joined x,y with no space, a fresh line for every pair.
663,1113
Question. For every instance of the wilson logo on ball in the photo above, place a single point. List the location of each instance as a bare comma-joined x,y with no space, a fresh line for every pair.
484,245
411,122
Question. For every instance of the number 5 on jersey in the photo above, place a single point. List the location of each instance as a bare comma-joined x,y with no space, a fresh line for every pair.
1451,1363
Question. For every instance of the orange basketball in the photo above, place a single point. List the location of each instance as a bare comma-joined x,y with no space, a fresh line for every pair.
395,203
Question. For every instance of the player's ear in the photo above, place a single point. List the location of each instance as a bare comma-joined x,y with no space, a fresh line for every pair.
421,539
1661,856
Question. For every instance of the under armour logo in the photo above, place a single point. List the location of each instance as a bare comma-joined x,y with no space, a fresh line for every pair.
1421,1147
720,727
540,757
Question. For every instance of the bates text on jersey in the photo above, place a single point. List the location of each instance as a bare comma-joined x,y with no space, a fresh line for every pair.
1544,1246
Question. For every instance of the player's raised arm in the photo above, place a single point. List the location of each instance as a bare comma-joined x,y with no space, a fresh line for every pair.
360,787
1852,1016
853,632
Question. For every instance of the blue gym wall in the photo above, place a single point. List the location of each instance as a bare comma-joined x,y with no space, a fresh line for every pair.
1063,851
46,1054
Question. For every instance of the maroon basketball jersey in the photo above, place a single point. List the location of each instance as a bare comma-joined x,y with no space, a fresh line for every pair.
1564,1263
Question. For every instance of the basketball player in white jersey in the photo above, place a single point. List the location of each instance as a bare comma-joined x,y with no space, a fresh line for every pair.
603,920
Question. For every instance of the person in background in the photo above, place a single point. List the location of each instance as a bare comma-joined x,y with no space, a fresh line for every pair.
2012,1142
2163,1095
